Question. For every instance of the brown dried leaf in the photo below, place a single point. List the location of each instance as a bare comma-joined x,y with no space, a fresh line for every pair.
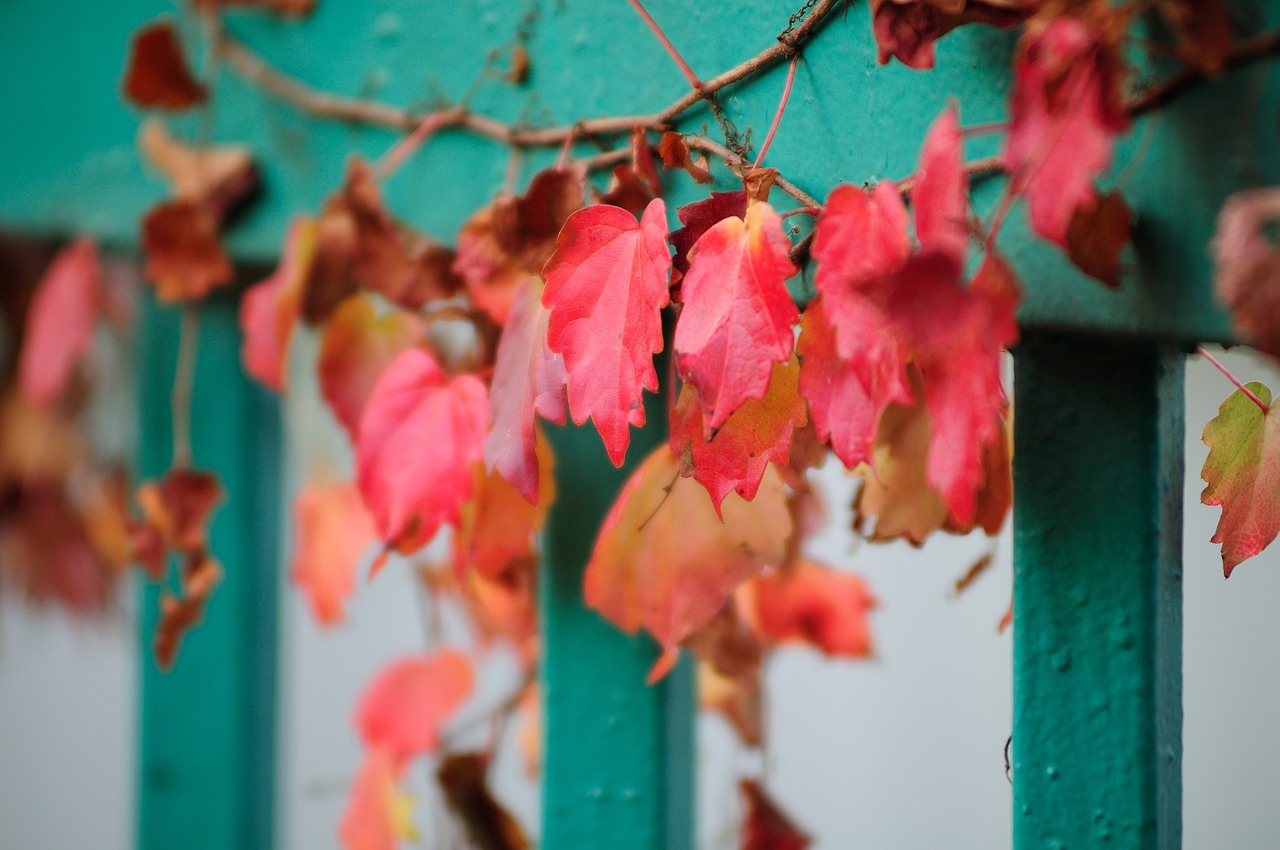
491,827
156,74
675,154
180,613
767,827
1097,236
220,177
185,261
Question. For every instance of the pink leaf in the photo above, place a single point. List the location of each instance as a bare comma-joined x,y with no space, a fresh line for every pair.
59,326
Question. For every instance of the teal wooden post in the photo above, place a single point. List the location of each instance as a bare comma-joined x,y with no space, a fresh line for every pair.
207,729
1098,469
619,754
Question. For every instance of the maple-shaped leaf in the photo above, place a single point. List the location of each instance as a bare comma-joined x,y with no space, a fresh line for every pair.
420,435
849,392
221,177
331,531
814,604
675,154
757,434
269,309
1247,265
907,29
463,778
1066,109
59,323
941,196
860,238
403,708
180,613
357,347
497,524
606,287
185,260
157,74
1242,474
766,826
738,316
697,218
1097,235
378,811
665,562
528,379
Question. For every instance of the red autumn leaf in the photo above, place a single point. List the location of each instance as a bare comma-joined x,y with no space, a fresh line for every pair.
606,287
497,525
157,74
860,238
633,186
907,29
766,826
758,434
269,309
59,323
1242,474
664,560
404,707
221,177
847,395
377,813
813,604
941,196
738,316
357,348
528,379
185,261
332,530
492,277
698,218
463,779
179,614
675,154
1065,111
1097,235
1247,265
419,437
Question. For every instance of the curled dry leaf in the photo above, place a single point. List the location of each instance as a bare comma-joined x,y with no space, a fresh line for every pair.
332,531
1242,474
59,323
766,826
378,813
907,29
180,613
357,347
528,378
675,154
664,560
463,778
403,708
420,436
738,316
221,177
1247,265
757,434
178,507
156,75
269,309
814,604
185,261
606,287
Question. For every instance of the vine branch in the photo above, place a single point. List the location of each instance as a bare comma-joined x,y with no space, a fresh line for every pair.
1160,94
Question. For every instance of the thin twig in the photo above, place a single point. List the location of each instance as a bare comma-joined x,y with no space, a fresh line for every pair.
713,147
184,378
1160,94
782,107
666,43
1233,379
974,168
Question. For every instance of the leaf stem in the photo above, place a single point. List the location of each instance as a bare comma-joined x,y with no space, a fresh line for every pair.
395,157
666,43
1233,379
782,106
184,377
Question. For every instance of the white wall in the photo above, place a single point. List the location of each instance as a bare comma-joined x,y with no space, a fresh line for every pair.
904,752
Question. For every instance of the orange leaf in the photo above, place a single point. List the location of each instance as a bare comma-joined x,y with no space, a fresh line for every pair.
59,324
332,530
269,309
813,604
665,561
404,707
376,816
219,177
498,525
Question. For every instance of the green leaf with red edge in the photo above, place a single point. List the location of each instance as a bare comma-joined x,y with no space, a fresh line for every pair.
810,603
738,316
606,287
405,705
420,435
59,324
270,308
357,347
759,433
157,74
1242,474
665,562
332,530
528,379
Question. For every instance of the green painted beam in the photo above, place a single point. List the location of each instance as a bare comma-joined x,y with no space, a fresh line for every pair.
206,777
618,753
1097,627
